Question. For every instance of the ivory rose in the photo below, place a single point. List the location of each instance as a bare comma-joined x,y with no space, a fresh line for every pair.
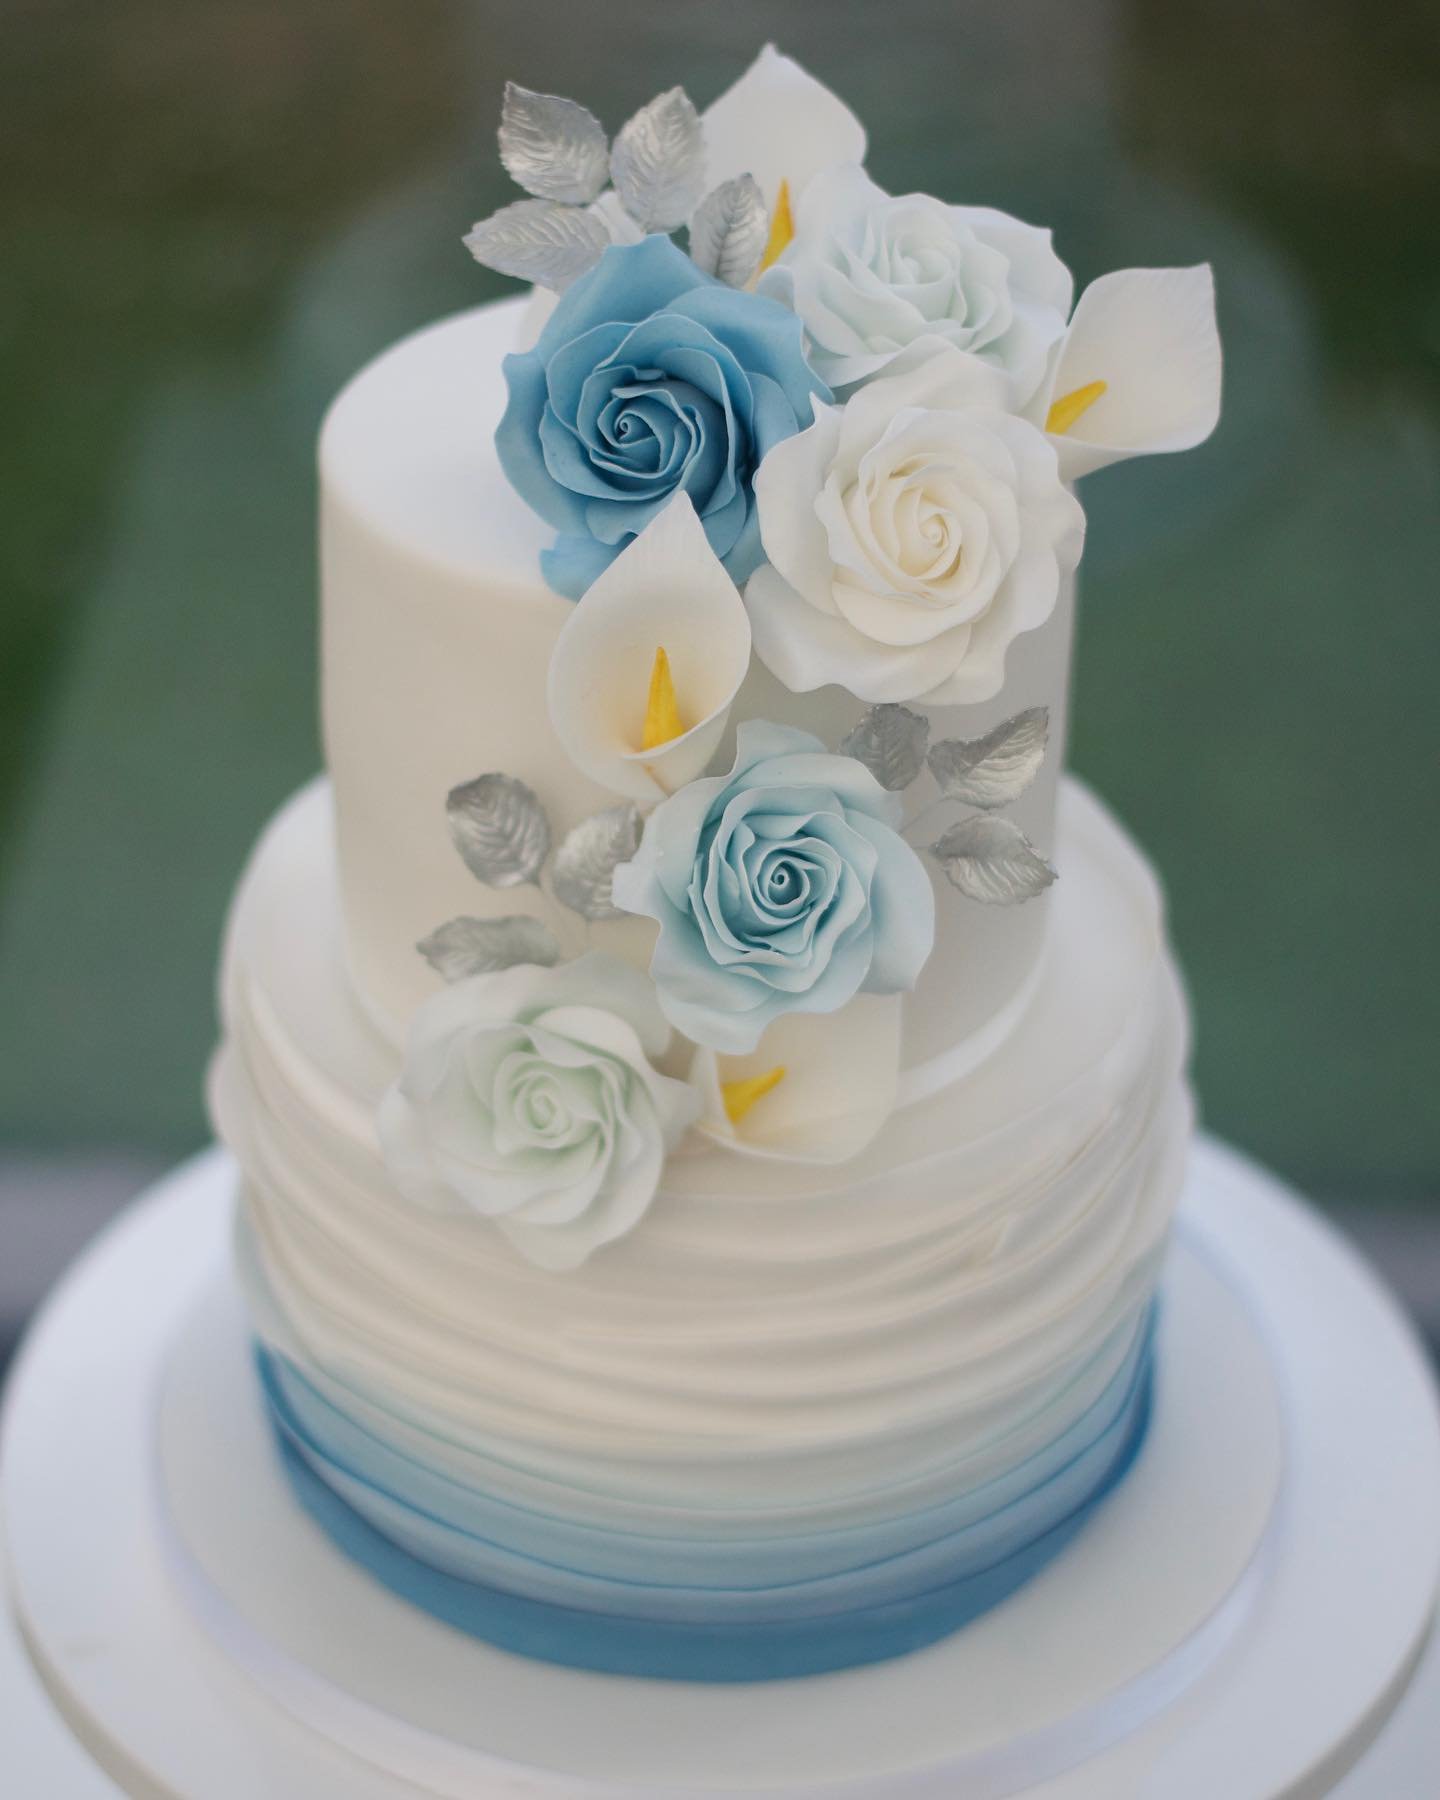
912,535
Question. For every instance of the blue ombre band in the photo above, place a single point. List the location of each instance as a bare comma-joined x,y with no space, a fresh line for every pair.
689,1609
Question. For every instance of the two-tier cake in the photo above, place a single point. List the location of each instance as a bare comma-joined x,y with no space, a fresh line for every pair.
709,1095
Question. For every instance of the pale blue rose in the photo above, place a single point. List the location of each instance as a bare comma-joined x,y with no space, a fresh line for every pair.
649,379
781,887
872,273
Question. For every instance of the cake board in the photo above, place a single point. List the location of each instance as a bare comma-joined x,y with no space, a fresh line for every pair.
128,1595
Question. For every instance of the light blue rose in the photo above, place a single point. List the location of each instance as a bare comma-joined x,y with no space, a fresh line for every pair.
783,886
649,379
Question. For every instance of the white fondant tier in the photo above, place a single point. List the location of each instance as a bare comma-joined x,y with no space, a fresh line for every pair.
437,634
205,1642
812,1348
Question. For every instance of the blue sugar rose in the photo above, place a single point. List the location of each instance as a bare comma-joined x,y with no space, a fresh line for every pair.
783,886
649,379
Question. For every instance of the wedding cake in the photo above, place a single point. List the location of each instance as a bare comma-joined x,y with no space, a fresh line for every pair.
709,1093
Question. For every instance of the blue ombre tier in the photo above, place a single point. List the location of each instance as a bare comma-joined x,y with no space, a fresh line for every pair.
698,1608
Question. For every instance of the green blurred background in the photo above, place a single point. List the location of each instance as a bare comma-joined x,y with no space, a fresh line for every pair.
214,210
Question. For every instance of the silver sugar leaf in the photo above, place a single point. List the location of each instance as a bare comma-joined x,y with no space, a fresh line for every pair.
992,860
466,946
730,230
658,162
554,148
587,859
539,240
890,741
993,770
500,829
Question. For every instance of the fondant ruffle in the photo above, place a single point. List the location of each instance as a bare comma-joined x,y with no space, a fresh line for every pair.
589,1598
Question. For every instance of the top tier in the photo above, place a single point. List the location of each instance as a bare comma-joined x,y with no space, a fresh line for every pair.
438,633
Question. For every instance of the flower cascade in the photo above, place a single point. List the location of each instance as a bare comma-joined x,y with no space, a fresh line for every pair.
829,444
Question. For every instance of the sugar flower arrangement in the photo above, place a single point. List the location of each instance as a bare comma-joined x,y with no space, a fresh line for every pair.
836,432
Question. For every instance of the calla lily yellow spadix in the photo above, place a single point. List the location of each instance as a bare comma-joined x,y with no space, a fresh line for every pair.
741,1096
662,712
1070,407
666,588
782,227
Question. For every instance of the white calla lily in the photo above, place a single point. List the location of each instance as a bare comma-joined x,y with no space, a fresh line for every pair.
1137,371
666,592
778,123
814,1090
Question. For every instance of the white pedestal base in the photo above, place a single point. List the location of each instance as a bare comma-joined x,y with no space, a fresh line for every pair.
207,1644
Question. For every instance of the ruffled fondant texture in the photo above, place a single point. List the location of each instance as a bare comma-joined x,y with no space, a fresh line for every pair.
805,1416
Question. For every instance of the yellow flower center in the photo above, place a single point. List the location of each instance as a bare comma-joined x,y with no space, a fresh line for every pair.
662,712
1069,407
782,227
740,1096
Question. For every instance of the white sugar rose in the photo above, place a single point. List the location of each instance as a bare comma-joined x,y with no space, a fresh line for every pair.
913,534
529,1097
869,273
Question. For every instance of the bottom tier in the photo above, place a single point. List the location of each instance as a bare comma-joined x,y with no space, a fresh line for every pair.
803,1418
206,1642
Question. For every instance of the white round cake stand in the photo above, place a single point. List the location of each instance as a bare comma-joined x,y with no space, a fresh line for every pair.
126,1585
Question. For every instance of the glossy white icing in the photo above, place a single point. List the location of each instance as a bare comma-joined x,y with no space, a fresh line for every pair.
813,1344
437,634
